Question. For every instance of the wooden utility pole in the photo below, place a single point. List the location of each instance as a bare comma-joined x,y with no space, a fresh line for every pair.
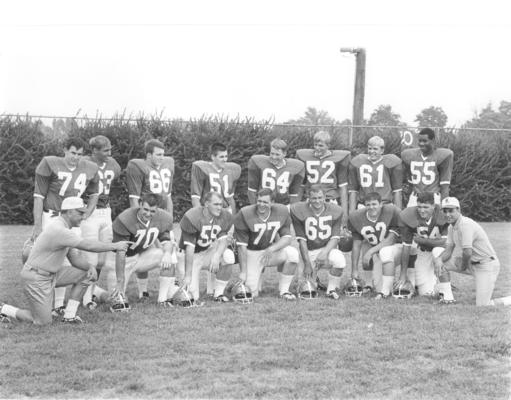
358,99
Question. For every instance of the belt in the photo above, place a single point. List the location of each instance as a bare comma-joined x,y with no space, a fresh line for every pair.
481,261
39,270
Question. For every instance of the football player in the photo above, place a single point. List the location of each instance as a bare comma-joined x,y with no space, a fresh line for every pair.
318,225
203,240
469,251
219,176
427,168
424,226
375,231
375,172
99,224
57,178
284,176
150,230
329,168
154,174
262,233
44,269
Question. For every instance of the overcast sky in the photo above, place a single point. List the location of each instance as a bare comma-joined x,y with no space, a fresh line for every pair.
262,59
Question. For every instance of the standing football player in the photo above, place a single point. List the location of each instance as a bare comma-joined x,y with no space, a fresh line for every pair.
149,228
469,251
375,231
263,236
203,240
318,225
99,224
284,176
425,227
219,176
57,178
154,174
375,172
45,269
328,168
427,168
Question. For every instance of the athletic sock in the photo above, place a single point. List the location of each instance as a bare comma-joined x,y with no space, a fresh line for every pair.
284,283
165,283
387,283
334,282
410,274
445,289
210,285
501,301
8,310
71,308
142,284
87,297
220,287
60,295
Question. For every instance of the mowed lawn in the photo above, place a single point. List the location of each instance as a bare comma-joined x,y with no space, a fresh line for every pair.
346,349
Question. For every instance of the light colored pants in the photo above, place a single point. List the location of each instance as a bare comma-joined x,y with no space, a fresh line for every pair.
97,227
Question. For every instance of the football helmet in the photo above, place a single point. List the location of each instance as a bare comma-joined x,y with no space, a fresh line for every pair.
241,293
354,287
120,304
405,291
27,248
307,289
183,298
345,241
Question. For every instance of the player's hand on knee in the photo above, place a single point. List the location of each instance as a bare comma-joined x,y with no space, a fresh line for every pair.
214,265
122,245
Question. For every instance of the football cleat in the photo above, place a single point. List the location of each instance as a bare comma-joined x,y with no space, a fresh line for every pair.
444,301
287,296
4,319
93,304
183,298
58,312
27,248
120,304
332,294
144,298
405,291
345,241
166,304
354,287
241,293
381,296
73,320
306,289
319,285
221,299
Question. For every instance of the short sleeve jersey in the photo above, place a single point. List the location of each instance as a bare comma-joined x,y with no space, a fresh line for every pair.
411,223
207,178
107,172
316,230
54,181
285,181
199,230
374,232
143,178
52,245
426,174
384,176
330,171
258,234
127,226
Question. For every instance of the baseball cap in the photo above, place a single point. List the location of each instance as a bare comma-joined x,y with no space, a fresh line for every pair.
73,203
450,202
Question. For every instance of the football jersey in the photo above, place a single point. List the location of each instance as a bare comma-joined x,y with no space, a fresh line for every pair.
258,234
285,181
198,230
127,226
141,178
330,171
426,174
384,176
317,230
107,172
207,178
374,231
410,222
54,181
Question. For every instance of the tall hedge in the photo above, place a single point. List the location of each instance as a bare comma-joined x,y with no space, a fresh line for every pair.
481,176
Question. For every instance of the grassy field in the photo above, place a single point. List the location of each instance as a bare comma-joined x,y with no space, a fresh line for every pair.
346,349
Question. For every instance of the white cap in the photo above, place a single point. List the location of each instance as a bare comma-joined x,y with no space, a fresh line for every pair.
73,203
450,202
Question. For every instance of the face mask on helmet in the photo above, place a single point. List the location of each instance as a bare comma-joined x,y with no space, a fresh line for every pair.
307,290
241,294
183,298
404,292
354,288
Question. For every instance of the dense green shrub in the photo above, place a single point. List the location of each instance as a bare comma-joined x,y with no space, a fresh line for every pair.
482,176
